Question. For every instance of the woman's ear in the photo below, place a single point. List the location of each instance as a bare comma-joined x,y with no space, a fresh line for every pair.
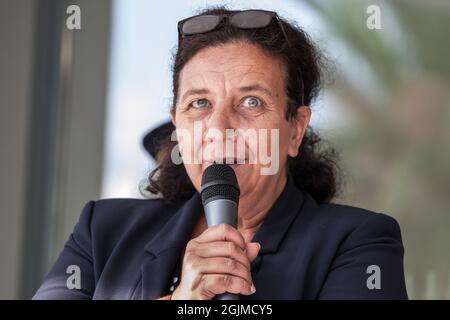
172,116
298,129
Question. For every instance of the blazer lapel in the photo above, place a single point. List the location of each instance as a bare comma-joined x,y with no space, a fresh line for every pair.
279,218
165,248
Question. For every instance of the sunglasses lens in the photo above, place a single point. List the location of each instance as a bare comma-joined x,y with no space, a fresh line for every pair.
200,24
251,19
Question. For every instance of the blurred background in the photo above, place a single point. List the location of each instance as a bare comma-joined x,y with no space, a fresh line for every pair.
76,104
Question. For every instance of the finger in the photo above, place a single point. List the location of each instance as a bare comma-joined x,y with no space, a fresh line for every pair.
222,232
223,249
252,250
221,283
220,265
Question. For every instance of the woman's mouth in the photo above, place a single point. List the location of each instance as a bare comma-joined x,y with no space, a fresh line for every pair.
232,162
228,161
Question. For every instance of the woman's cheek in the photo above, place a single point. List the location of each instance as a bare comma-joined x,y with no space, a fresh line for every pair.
195,174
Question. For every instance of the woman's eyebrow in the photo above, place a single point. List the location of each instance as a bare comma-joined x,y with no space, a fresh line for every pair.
194,92
256,87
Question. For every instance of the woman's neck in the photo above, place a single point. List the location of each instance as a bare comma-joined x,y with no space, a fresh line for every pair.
252,210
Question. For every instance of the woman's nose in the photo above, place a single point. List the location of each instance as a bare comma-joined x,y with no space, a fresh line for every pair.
217,124
219,119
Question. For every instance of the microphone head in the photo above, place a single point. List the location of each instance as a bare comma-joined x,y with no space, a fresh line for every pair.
219,182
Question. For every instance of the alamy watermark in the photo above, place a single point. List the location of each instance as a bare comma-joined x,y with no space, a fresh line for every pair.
374,280
237,146
74,280
373,21
73,21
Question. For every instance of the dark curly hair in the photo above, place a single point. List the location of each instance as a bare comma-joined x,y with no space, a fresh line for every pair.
315,169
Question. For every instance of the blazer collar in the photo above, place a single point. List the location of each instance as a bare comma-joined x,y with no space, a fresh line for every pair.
178,229
165,249
279,218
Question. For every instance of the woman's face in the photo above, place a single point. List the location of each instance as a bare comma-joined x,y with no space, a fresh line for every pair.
236,87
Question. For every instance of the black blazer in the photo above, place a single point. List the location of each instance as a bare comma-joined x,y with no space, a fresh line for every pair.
130,249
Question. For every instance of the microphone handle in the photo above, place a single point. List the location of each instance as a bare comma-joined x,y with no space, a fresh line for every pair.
217,212
227,296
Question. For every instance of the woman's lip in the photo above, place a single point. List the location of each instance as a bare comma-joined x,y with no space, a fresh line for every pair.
224,161
232,165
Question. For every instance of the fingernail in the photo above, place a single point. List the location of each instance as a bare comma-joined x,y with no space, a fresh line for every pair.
252,288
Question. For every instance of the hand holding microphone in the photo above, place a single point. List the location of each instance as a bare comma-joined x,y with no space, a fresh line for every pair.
216,264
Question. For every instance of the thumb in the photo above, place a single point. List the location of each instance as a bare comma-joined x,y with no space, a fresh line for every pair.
252,249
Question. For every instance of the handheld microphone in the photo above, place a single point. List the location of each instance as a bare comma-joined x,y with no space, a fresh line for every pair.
220,198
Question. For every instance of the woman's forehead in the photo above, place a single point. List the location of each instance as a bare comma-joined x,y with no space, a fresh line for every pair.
232,63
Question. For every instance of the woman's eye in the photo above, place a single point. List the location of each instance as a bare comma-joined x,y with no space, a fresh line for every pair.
252,102
200,103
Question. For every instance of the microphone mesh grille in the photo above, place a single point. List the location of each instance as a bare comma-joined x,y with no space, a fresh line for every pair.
220,191
219,172
219,180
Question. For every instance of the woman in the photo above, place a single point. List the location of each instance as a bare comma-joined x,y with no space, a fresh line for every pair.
236,70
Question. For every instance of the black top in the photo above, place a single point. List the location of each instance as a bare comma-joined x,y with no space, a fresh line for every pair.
129,248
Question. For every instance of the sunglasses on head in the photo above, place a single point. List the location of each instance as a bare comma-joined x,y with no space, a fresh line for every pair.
247,19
